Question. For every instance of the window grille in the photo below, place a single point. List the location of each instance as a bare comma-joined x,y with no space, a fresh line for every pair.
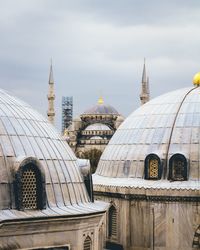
87,243
29,189
112,222
178,168
153,169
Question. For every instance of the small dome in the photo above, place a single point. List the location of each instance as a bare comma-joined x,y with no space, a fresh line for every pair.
196,79
165,126
97,126
25,135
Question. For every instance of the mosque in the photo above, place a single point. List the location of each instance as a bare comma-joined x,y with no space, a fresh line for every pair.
90,132
93,128
146,187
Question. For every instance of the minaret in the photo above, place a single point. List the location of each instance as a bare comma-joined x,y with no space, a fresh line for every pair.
51,97
145,94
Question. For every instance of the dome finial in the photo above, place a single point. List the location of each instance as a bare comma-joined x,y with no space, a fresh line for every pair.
196,79
100,101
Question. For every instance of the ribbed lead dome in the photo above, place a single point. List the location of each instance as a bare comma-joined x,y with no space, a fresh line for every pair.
101,109
25,134
165,126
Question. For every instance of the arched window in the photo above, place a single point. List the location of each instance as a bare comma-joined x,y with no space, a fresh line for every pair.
87,244
178,168
30,187
112,222
196,240
153,169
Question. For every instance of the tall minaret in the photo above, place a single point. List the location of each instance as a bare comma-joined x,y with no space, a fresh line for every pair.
51,97
145,94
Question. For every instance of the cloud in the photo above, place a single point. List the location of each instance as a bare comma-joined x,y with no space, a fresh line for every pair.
97,47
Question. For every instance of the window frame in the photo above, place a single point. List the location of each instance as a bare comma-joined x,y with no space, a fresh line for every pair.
110,222
185,170
87,237
36,167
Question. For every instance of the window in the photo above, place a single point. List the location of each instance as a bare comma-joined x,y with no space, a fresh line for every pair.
29,187
153,169
112,222
178,168
196,240
87,244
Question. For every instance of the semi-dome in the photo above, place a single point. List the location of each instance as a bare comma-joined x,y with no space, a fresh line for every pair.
97,126
163,132
27,139
101,109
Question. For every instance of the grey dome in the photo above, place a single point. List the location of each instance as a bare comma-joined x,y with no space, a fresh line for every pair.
101,109
165,126
25,134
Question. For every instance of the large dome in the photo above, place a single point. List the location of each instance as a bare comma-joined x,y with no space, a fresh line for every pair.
166,126
25,136
101,109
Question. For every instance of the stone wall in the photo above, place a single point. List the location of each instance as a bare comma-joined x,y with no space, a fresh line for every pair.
39,233
155,225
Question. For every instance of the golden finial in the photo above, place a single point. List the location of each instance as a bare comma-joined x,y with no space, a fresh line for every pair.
196,79
100,101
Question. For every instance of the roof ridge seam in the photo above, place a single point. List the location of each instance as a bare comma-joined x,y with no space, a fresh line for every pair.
173,125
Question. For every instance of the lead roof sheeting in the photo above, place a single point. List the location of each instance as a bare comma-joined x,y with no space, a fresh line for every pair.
65,171
77,209
24,133
150,129
17,146
7,146
146,184
59,171
65,192
50,195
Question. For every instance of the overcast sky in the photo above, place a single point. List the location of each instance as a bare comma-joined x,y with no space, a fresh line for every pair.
97,48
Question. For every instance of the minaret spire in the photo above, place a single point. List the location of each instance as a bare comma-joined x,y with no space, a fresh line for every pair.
51,97
145,94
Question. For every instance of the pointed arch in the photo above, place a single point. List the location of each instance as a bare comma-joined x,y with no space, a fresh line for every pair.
87,245
196,239
112,222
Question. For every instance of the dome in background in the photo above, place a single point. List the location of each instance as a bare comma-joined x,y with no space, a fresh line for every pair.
101,109
166,125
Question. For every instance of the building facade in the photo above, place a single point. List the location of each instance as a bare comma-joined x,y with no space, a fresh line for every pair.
44,203
91,131
150,174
